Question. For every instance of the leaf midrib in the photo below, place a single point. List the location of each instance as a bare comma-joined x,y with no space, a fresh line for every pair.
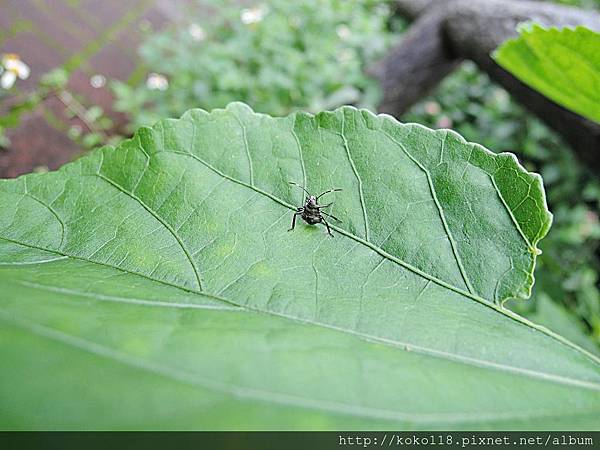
359,240
398,261
383,341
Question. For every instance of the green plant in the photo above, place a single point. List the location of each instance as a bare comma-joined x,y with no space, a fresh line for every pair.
158,285
588,4
54,84
277,57
12,68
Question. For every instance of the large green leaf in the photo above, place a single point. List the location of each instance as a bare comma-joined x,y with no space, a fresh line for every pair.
155,285
563,64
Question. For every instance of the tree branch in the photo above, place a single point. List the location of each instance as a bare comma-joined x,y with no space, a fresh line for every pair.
445,32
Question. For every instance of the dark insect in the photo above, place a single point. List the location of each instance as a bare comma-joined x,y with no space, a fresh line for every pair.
312,212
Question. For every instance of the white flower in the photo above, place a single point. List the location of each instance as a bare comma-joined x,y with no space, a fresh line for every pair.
343,32
156,81
253,15
97,81
7,79
12,62
197,32
12,68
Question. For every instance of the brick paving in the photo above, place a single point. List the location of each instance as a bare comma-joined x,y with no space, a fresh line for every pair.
86,37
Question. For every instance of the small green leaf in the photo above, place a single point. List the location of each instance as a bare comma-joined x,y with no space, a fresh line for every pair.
155,285
564,65
55,79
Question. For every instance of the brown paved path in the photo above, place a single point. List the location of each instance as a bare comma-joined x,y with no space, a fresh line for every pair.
86,37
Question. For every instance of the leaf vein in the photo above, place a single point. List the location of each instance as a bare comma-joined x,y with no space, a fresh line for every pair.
510,213
161,220
247,148
192,379
451,240
385,341
300,153
358,178
49,208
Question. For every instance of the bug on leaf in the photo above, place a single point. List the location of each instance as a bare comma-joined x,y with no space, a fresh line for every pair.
312,212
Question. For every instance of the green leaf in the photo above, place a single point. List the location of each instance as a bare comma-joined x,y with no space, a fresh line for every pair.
554,316
564,65
155,285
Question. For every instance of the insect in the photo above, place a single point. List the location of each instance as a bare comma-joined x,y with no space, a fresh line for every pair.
312,212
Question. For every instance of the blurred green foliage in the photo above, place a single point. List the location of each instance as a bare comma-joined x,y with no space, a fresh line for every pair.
587,4
277,57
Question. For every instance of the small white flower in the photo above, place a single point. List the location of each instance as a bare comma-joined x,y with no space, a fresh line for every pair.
343,32
12,62
157,82
197,32
97,81
7,79
253,15
13,68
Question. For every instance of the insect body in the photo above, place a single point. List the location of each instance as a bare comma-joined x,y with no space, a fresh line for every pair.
312,212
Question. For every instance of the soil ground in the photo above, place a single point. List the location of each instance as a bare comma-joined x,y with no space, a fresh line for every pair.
86,37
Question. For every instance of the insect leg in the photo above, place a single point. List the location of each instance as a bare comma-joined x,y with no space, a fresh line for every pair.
331,215
327,225
294,220
327,192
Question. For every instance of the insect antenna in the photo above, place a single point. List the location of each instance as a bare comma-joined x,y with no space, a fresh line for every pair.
301,187
327,192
